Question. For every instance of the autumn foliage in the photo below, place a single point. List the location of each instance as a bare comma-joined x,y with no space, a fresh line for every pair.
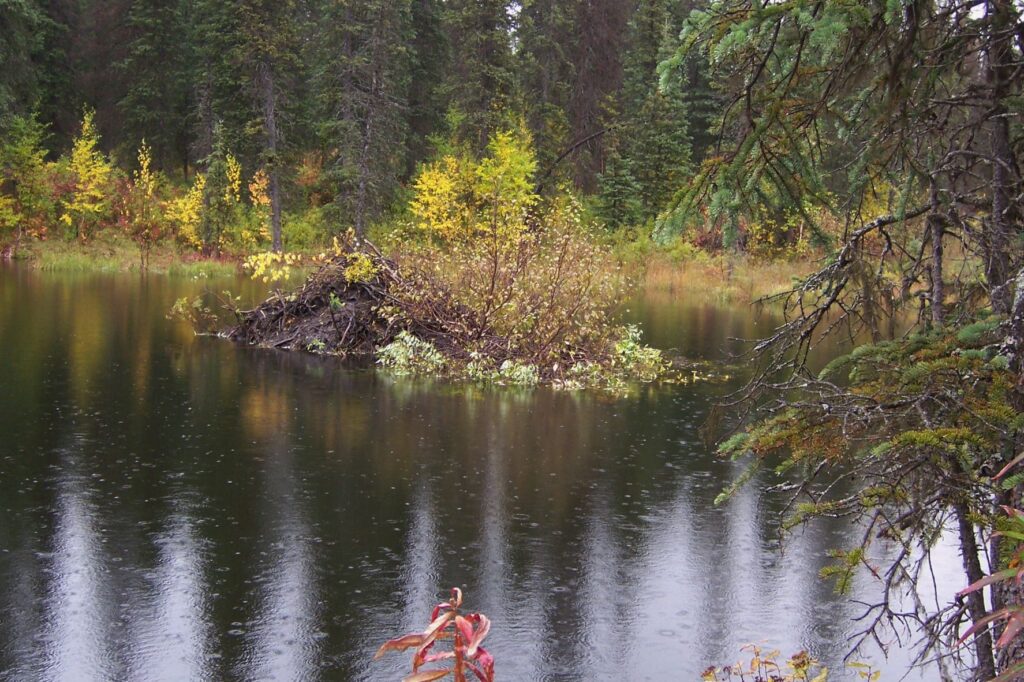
463,633
221,209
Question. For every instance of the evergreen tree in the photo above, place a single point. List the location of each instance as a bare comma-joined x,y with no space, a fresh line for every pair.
158,76
429,54
619,202
58,103
481,80
21,33
222,87
546,38
363,80
362,88
651,139
917,99
270,48
219,196
601,28
703,104
99,43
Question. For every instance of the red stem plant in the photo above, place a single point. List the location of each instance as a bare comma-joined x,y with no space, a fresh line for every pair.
465,632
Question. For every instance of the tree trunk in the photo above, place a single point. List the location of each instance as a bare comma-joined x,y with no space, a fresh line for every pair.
265,77
1000,58
985,667
938,294
1002,229
362,190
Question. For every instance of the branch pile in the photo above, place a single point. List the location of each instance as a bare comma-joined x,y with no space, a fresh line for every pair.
334,312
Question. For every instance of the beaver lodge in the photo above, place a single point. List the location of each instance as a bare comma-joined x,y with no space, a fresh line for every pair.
361,303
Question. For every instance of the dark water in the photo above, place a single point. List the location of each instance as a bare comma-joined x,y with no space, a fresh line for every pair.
185,509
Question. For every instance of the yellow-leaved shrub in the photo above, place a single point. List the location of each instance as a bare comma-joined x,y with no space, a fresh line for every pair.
89,202
529,269
186,212
459,198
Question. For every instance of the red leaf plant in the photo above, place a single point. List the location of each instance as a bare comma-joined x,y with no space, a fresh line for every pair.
1013,615
466,632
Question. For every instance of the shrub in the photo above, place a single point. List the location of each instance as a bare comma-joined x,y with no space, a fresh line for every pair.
303,230
530,272
765,665
635,359
459,198
26,203
271,266
248,226
360,268
89,203
513,292
512,372
186,213
141,210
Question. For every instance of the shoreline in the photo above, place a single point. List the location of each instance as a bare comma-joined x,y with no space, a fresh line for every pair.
725,278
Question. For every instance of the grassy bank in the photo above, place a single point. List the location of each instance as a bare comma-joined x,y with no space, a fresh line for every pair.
112,252
729,278
679,269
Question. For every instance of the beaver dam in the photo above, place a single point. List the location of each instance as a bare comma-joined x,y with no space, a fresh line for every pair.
523,328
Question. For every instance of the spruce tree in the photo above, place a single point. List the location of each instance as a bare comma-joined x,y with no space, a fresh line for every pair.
363,81
271,52
221,86
598,54
21,33
546,39
651,140
158,77
428,61
481,79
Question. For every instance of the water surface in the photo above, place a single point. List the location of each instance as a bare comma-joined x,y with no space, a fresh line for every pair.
181,508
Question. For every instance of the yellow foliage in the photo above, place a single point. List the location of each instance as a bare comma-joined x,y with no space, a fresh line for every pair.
233,188
187,212
271,266
767,665
9,214
504,183
144,180
142,208
360,267
251,231
259,189
92,173
334,251
443,201
459,198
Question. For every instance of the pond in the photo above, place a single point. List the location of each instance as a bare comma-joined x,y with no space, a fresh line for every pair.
182,508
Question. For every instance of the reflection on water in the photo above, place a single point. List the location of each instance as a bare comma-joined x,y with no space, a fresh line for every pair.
180,508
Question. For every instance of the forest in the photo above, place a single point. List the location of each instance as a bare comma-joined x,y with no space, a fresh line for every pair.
324,111
465,181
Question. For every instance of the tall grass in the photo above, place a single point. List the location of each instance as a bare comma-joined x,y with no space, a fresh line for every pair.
114,253
727,278
682,269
